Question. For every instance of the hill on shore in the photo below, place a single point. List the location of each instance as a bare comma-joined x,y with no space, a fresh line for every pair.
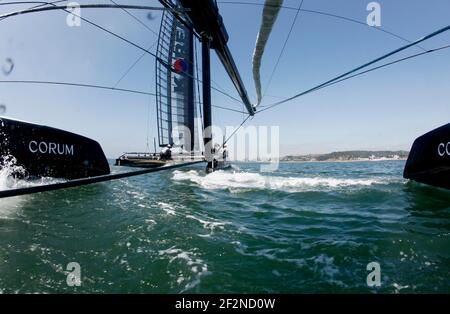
356,155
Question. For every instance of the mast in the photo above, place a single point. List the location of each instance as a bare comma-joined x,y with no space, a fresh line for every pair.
206,78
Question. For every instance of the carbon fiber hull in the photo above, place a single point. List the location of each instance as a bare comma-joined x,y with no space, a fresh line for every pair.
429,159
48,152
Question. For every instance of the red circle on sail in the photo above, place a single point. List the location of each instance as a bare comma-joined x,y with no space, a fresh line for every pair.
180,66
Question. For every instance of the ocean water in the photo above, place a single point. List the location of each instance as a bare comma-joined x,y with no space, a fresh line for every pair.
305,228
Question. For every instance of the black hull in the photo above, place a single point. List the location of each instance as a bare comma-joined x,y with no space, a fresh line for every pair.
48,152
218,165
429,159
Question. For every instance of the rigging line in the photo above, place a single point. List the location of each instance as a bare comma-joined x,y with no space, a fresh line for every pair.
237,129
87,181
41,3
133,65
31,2
97,6
52,6
169,66
222,92
221,89
212,87
440,31
132,91
329,15
388,64
55,7
284,47
371,70
218,88
229,109
79,85
136,19
63,8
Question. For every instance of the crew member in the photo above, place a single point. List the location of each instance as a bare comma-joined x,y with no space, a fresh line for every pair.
166,153
225,152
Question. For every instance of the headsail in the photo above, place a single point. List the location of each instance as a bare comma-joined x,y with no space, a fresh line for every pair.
175,84
270,14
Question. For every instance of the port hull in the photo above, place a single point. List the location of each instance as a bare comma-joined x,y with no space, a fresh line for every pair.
429,159
48,152
140,162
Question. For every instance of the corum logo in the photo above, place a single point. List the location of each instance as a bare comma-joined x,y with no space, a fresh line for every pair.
50,148
444,149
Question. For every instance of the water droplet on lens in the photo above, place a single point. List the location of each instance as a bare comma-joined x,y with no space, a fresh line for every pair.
8,66
2,109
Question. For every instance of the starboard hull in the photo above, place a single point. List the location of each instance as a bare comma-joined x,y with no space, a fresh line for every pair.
429,159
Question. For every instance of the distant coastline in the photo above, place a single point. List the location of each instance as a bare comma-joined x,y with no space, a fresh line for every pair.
348,156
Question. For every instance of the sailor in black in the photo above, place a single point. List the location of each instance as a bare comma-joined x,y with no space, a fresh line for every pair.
166,153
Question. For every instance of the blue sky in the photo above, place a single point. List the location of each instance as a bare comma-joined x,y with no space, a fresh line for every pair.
387,109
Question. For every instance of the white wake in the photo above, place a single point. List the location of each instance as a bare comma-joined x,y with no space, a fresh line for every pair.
247,180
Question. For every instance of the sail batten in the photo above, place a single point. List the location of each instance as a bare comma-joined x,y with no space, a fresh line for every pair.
175,83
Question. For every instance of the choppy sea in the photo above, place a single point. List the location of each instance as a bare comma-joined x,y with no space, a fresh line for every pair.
304,228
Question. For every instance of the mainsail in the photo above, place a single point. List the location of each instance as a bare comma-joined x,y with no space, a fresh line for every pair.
270,14
175,84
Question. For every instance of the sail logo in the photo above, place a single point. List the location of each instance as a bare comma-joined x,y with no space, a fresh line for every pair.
180,66
51,148
180,54
444,149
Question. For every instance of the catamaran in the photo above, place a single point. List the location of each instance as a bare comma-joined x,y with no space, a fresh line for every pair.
184,113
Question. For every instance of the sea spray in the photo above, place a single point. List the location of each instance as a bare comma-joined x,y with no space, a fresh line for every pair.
9,179
13,176
10,172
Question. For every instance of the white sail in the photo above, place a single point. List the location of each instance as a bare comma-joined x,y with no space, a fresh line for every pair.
270,14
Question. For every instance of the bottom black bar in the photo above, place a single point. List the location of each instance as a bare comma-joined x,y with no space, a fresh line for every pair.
229,303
